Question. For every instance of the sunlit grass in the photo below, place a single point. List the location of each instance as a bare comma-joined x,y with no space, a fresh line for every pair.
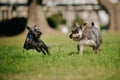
63,64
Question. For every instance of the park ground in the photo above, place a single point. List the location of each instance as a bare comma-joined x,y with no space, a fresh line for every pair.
64,63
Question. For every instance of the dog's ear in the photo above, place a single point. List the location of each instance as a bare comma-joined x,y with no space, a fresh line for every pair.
76,24
80,27
28,28
84,26
35,26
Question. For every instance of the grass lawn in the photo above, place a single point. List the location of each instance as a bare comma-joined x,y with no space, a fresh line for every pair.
64,62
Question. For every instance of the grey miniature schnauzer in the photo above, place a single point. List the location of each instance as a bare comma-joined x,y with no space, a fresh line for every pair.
33,40
86,36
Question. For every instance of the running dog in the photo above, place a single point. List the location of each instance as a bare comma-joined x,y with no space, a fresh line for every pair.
86,36
33,42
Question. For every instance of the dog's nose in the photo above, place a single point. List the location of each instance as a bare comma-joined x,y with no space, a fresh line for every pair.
24,46
39,33
70,36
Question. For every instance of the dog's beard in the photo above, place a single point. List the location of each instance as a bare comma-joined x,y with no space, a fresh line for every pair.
76,37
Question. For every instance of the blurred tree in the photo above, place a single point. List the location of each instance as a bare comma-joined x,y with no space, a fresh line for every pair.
113,10
36,15
80,20
32,12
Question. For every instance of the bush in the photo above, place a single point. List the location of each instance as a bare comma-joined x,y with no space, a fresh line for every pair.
55,20
13,26
80,20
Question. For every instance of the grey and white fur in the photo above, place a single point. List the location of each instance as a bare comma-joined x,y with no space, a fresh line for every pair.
85,35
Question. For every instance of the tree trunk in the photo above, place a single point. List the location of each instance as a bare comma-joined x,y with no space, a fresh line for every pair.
114,14
36,16
118,15
32,12
42,21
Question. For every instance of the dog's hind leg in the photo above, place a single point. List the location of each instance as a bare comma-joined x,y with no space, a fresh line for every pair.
96,49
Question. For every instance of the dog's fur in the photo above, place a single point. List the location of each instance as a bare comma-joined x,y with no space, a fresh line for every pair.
86,36
33,42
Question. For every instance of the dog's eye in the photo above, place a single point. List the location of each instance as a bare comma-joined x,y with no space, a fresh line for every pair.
75,31
30,31
35,30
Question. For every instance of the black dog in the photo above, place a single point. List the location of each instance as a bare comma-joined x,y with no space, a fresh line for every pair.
33,42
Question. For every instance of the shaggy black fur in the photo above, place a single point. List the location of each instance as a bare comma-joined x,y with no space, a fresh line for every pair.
33,41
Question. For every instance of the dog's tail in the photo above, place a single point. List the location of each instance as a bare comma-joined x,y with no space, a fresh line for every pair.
94,25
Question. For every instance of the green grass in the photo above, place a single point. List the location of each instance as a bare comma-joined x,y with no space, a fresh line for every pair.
63,64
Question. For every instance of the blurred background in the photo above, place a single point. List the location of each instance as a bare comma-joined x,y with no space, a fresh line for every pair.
53,16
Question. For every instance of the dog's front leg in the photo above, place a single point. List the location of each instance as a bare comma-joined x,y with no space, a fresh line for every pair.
44,47
80,48
40,49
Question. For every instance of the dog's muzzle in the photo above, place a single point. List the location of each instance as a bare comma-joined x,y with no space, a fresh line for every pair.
76,37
